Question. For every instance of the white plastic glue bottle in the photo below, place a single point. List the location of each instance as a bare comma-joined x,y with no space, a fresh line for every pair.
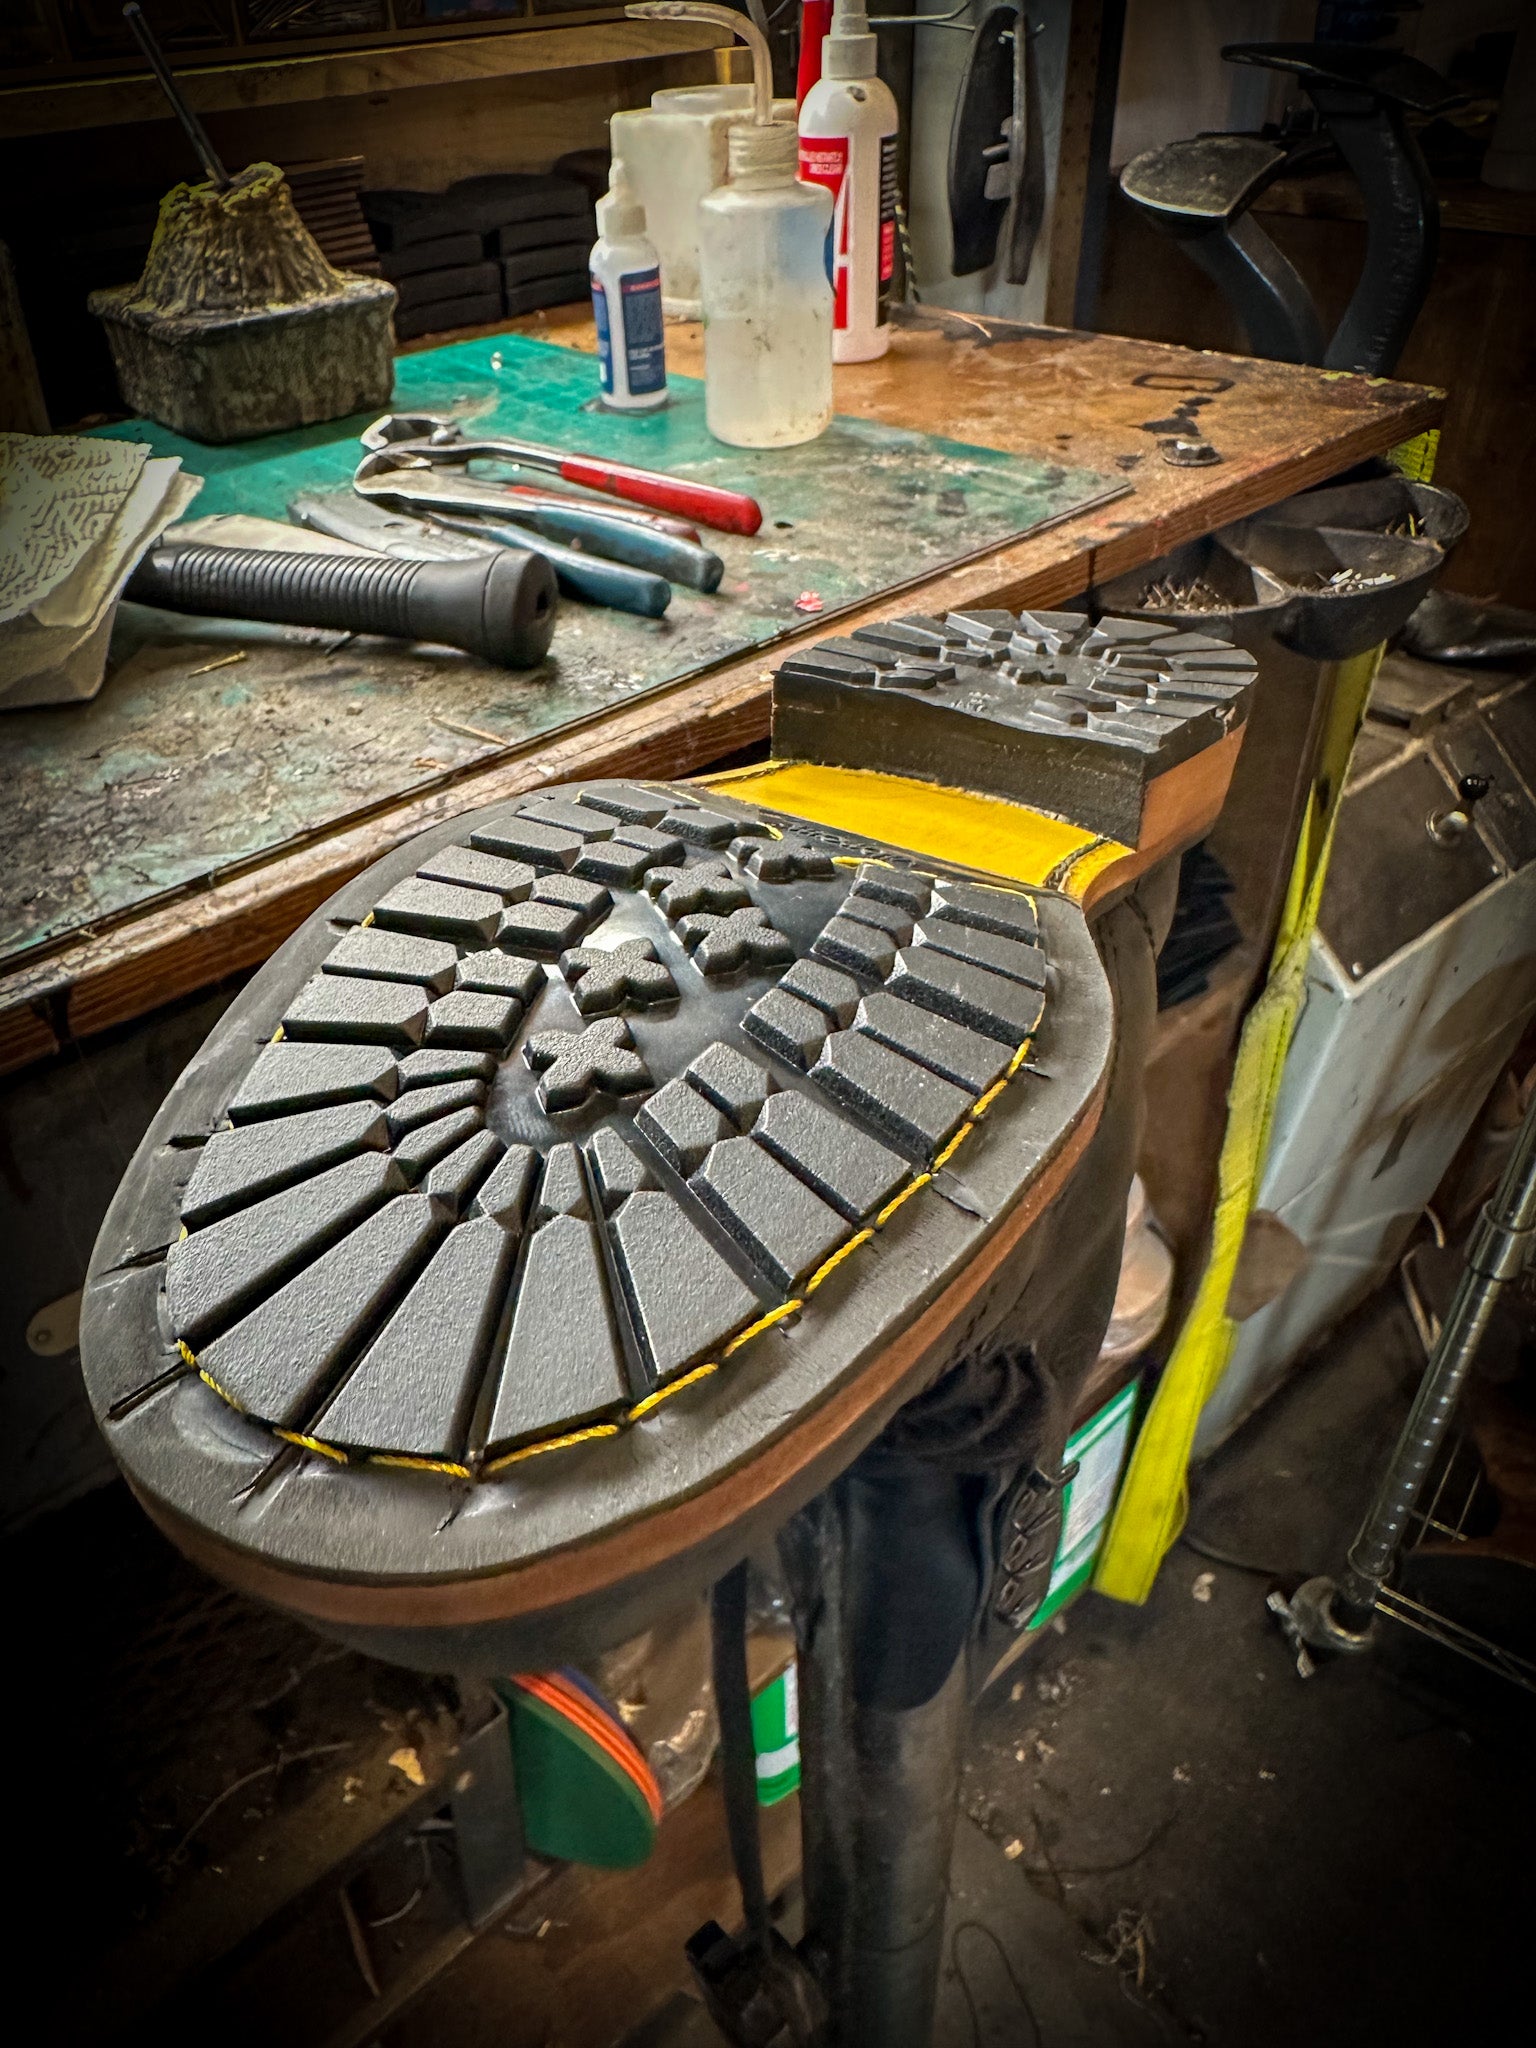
848,144
626,301
762,269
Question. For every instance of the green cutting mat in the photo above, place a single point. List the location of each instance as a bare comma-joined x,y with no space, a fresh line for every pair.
170,776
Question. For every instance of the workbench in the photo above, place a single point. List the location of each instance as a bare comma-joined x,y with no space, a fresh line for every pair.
1126,408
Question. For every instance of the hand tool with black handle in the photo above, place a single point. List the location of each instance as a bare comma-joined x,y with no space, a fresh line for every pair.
502,608
709,504
371,521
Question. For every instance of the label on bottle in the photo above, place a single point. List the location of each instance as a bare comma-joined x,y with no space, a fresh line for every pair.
888,191
824,161
604,338
645,349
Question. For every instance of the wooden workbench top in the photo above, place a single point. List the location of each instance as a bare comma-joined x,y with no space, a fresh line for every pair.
1100,402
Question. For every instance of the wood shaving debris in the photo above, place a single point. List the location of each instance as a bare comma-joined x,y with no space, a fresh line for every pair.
224,661
408,1763
1013,1849
1201,1589
473,732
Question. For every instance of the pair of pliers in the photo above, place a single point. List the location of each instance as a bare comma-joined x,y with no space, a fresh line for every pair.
437,503
406,476
442,435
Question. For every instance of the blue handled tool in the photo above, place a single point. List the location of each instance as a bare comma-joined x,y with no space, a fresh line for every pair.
400,476
681,561
593,577
367,521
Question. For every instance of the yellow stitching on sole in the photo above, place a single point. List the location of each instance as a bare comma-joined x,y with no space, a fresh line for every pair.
553,1443
313,1443
689,1379
774,1315
699,1372
208,1380
277,1036
942,1158
829,1266
190,1356
984,1102
919,1181
419,1464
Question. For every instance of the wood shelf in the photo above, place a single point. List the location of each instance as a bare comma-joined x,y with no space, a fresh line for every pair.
62,108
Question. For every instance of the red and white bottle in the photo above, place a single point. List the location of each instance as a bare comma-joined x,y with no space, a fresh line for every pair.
848,144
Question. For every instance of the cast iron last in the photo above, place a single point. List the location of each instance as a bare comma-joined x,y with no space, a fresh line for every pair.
585,1184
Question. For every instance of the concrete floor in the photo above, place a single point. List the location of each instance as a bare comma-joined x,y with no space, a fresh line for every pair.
1168,1836
1254,1858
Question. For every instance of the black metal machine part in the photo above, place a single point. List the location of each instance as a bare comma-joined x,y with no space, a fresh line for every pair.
899,1574
996,172
1199,192
1324,575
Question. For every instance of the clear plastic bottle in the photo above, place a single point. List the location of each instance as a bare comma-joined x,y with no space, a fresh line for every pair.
848,125
767,297
626,301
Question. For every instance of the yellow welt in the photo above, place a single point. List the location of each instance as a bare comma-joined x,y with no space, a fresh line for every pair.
984,833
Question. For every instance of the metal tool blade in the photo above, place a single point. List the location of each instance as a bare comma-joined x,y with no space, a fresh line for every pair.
346,515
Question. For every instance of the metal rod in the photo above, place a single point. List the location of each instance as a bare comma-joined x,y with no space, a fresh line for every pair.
1501,1243
882,1576
733,1703
195,132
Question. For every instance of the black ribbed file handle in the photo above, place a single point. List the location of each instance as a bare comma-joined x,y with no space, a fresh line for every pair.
501,606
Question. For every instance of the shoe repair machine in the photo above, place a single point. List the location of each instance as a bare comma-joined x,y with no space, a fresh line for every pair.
610,1182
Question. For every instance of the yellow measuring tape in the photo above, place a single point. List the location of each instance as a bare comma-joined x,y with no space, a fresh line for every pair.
1154,1498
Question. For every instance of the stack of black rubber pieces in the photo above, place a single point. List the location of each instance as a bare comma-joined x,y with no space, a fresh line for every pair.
505,243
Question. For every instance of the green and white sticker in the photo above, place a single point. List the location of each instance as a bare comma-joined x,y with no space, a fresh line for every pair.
1098,1449
776,1737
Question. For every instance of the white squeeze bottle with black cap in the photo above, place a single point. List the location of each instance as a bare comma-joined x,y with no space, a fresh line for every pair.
848,144
626,301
